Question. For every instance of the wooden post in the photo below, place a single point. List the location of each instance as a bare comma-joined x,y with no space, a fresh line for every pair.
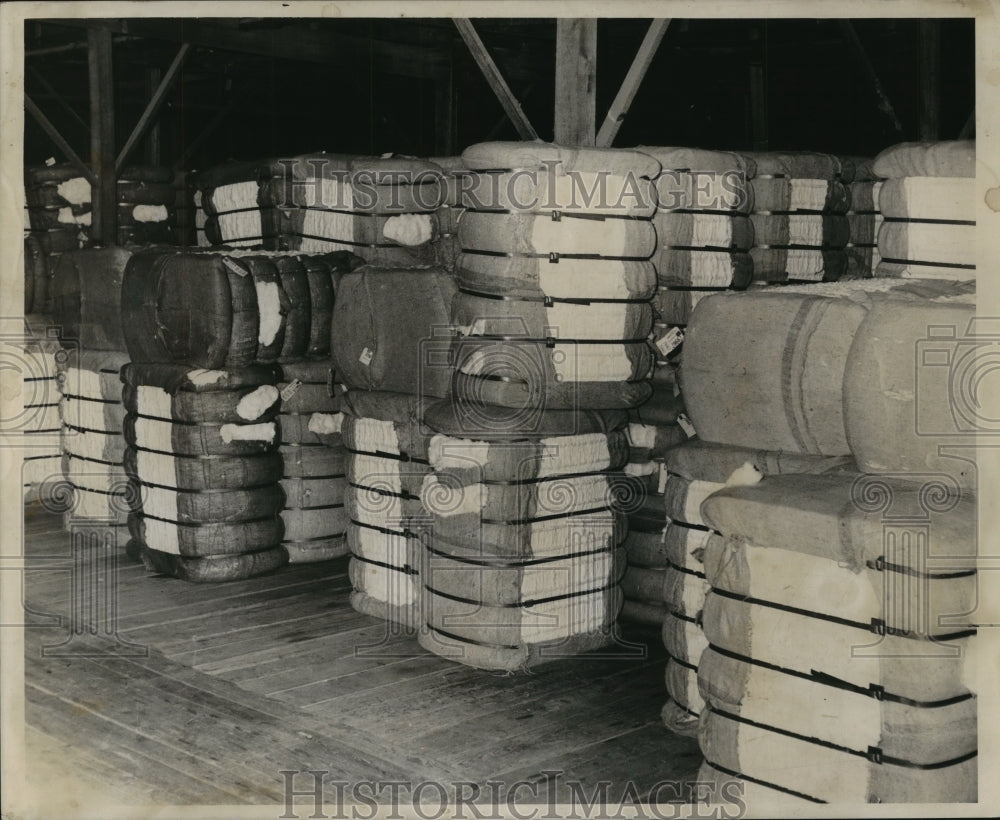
104,224
576,81
153,147
630,85
930,79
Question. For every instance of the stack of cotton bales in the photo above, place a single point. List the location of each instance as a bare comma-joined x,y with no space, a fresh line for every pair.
553,316
37,354
59,205
864,218
835,637
390,327
384,210
703,233
86,306
928,203
799,223
222,492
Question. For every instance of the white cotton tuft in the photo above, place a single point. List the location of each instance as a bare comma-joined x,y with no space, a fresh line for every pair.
641,468
202,377
149,213
326,423
409,229
253,405
269,306
641,436
247,432
75,191
745,476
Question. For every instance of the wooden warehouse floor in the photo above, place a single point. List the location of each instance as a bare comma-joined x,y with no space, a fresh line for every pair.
230,684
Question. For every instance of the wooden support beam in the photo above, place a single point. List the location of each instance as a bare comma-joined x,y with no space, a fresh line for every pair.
104,220
576,81
55,95
850,34
930,79
630,85
153,107
57,138
153,145
294,42
495,79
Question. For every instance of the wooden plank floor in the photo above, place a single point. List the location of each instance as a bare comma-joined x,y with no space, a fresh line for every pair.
211,691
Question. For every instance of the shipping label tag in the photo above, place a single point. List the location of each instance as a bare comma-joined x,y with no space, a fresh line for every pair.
291,389
236,268
671,341
686,425
366,356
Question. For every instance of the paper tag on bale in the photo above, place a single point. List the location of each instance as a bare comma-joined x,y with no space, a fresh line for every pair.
671,341
686,425
366,356
239,270
661,485
290,389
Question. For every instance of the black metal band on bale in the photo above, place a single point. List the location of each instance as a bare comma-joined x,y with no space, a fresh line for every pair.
406,569
514,522
907,220
496,482
881,565
452,637
207,456
764,783
873,690
552,341
117,401
876,625
383,454
317,507
522,604
553,256
692,572
872,754
687,665
326,537
113,434
405,533
200,524
385,493
928,264
551,300
140,480
531,562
